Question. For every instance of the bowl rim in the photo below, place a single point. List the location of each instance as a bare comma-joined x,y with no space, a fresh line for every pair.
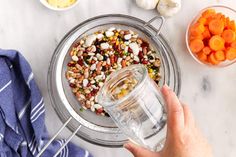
187,36
47,5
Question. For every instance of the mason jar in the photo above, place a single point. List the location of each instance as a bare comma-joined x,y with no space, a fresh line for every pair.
134,102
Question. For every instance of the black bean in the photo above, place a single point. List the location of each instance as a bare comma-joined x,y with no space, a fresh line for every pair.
150,57
104,68
98,50
104,58
97,42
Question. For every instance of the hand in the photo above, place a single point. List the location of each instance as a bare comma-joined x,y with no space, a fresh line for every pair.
183,137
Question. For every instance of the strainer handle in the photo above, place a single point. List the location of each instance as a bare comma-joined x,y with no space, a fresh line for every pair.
162,19
56,134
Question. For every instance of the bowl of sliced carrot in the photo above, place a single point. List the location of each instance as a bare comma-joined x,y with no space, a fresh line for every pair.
211,36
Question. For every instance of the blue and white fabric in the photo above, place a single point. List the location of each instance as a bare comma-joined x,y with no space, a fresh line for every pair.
22,112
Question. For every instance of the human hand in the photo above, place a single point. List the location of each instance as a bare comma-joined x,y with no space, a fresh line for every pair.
183,139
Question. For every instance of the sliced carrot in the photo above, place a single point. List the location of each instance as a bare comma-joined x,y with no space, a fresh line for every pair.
223,18
196,45
207,13
232,25
233,44
216,43
216,27
202,56
227,23
202,20
229,36
211,59
231,53
219,55
218,16
192,37
206,50
206,34
197,29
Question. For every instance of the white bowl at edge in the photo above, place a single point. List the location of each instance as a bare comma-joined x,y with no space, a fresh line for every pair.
46,4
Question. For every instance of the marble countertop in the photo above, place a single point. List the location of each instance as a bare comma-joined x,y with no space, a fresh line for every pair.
35,31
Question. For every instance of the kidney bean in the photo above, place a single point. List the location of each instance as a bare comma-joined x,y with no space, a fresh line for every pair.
80,62
140,55
112,60
123,63
72,85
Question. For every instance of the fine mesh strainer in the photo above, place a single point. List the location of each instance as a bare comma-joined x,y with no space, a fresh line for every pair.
87,125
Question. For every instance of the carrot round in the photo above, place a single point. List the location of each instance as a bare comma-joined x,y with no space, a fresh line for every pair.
218,16
223,18
200,36
207,13
202,20
206,50
206,34
229,36
232,25
233,44
227,23
216,43
196,45
202,56
211,59
219,55
216,26
231,53
197,29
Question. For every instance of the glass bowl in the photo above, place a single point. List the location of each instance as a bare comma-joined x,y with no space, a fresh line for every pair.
99,129
228,12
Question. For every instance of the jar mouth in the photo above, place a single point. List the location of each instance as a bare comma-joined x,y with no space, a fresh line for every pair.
104,96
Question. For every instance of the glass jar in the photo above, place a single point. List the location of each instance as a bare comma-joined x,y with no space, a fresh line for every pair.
135,103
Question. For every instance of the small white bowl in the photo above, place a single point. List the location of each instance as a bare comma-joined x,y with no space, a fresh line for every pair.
46,4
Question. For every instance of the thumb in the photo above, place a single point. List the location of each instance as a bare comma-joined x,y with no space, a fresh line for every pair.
138,151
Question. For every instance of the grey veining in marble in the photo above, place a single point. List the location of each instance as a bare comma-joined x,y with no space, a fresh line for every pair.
35,31
206,85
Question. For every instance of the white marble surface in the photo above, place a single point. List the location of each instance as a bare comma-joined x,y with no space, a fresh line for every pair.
35,31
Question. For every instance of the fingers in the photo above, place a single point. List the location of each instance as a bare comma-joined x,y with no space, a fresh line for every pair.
175,113
138,151
188,116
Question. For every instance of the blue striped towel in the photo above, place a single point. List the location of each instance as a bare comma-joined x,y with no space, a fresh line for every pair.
22,112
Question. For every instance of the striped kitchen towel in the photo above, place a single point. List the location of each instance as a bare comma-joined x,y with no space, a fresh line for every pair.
22,112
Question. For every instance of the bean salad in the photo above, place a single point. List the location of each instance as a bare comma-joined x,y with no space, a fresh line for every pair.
94,57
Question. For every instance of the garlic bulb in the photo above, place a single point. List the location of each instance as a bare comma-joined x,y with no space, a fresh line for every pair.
147,4
169,7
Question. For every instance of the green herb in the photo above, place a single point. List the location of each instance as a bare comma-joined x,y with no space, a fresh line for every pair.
81,109
125,53
81,91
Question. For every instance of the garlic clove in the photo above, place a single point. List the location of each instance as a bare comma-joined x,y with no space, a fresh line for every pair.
147,4
169,8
